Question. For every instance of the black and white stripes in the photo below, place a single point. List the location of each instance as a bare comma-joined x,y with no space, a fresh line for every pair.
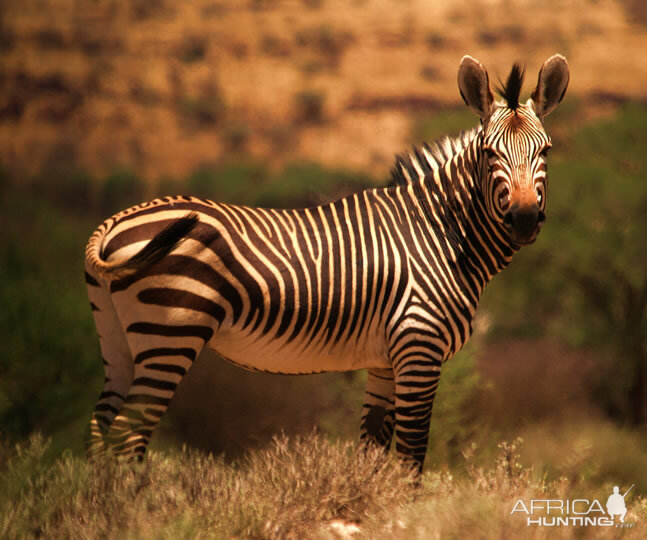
386,280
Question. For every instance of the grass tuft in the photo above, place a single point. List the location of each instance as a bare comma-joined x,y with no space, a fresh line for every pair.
291,488
300,487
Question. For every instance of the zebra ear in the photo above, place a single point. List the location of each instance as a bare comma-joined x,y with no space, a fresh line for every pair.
474,85
551,85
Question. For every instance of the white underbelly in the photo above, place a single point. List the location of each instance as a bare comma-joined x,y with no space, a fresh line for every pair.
299,356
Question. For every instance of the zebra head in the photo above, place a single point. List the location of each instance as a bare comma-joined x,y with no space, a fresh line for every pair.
513,143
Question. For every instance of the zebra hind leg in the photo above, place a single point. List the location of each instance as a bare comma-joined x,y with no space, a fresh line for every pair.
118,368
378,419
158,371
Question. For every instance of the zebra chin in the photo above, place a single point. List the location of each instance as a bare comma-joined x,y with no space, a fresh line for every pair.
524,240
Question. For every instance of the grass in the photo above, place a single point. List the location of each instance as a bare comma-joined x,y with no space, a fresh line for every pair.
305,487
291,488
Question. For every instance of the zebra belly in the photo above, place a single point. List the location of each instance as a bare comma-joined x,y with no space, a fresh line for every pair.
276,356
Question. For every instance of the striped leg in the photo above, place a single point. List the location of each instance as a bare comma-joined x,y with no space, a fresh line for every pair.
117,364
158,371
417,360
379,406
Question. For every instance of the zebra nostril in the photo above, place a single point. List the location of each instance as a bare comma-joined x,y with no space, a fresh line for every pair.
541,217
508,220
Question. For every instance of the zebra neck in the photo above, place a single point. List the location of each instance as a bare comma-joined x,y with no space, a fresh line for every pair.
451,199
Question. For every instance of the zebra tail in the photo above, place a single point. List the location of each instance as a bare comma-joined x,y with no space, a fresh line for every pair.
159,247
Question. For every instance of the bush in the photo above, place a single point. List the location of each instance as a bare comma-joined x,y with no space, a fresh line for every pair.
236,136
193,49
454,422
293,488
309,106
233,182
439,124
70,189
328,41
121,189
49,354
303,183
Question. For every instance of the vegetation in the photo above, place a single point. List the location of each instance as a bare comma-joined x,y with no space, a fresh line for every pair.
559,358
292,488
300,488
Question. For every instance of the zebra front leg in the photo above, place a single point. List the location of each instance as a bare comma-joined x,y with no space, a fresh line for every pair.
379,406
158,371
416,381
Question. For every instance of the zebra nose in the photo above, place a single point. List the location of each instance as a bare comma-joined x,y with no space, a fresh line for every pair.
541,218
523,223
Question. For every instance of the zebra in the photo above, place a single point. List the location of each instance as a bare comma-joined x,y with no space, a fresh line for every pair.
387,279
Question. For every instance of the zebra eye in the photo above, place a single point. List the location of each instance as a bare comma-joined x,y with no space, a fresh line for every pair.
489,153
544,151
503,198
540,195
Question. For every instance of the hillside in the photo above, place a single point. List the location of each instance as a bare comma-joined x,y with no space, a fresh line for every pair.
163,90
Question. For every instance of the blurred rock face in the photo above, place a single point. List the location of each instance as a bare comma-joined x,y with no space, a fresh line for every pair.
163,89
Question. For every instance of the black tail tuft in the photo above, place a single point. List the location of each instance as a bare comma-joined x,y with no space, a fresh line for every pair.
163,243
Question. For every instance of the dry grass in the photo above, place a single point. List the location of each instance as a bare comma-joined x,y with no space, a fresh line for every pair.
306,487
480,503
290,489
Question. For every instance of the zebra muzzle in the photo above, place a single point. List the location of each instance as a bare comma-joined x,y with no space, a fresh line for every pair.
523,223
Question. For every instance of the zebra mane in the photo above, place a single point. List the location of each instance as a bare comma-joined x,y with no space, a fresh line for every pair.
420,161
512,88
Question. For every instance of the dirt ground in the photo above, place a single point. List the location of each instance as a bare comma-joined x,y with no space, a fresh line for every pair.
162,88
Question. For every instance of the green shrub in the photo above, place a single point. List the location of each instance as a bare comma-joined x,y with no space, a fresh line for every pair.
454,422
302,184
439,124
120,189
233,182
73,190
49,354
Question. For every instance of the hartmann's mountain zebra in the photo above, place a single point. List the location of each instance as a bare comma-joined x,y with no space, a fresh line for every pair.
386,280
